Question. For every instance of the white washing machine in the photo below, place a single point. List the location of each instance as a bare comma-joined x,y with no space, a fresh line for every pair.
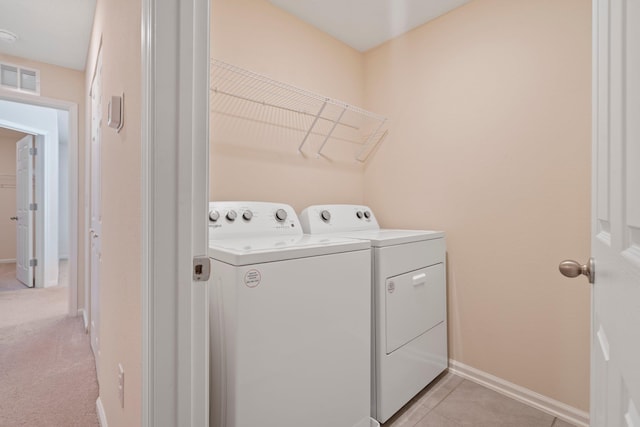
409,347
289,320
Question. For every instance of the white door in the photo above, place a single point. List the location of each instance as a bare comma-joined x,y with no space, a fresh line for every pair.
95,208
615,350
24,199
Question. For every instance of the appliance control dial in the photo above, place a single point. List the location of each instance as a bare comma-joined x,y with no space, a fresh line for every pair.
281,215
367,214
232,215
325,215
359,214
247,215
214,215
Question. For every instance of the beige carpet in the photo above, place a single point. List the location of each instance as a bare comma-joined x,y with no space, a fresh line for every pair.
8,281
47,370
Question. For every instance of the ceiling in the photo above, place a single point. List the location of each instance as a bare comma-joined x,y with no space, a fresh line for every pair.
58,31
52,31
364,24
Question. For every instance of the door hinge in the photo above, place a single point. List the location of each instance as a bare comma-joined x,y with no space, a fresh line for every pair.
33,206
33,262
201,268
33,151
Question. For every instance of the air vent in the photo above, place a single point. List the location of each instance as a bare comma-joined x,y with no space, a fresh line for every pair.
19,79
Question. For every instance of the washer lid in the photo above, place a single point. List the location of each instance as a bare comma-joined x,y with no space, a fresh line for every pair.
248,251
389,237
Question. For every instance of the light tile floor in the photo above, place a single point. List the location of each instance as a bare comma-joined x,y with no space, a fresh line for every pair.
451,401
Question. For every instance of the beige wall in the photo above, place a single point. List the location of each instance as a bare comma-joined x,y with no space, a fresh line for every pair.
490,141
55,82
257,36
65,84
117,25
8,139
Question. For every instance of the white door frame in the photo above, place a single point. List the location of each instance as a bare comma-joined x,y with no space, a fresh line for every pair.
72,109
92,240
42,223
175,117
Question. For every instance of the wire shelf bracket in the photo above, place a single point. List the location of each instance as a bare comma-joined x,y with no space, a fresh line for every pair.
315,120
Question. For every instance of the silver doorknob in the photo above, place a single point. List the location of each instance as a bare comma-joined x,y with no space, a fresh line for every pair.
14,218
572,268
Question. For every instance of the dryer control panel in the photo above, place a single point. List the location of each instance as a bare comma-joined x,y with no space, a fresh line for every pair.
319,219
257,219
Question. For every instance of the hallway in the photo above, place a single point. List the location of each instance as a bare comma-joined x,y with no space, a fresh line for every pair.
48,373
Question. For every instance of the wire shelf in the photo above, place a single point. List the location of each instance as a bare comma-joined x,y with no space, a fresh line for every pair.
248,105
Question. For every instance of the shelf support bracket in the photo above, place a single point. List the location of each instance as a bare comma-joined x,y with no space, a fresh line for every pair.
315,120
335,123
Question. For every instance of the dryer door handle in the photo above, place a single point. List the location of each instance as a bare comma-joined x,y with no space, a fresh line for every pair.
419,279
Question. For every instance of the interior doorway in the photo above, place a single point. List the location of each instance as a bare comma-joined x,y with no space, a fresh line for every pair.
41,193
38,179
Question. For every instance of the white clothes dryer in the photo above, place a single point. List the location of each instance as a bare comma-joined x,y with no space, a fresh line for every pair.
289,321
409,342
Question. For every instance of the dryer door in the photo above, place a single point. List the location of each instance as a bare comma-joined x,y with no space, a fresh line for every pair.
415,303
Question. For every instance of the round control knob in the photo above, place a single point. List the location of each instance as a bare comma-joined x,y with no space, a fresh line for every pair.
281,215
325,215
231,215
247,215
214,216
367,214
359,214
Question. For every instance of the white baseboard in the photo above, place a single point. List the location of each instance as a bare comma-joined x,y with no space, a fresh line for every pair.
82,312
528,397
7,261
102,417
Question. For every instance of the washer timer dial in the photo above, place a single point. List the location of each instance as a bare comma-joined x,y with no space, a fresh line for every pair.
325,215
281,215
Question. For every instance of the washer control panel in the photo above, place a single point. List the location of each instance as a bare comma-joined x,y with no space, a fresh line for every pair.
259,219
337,218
